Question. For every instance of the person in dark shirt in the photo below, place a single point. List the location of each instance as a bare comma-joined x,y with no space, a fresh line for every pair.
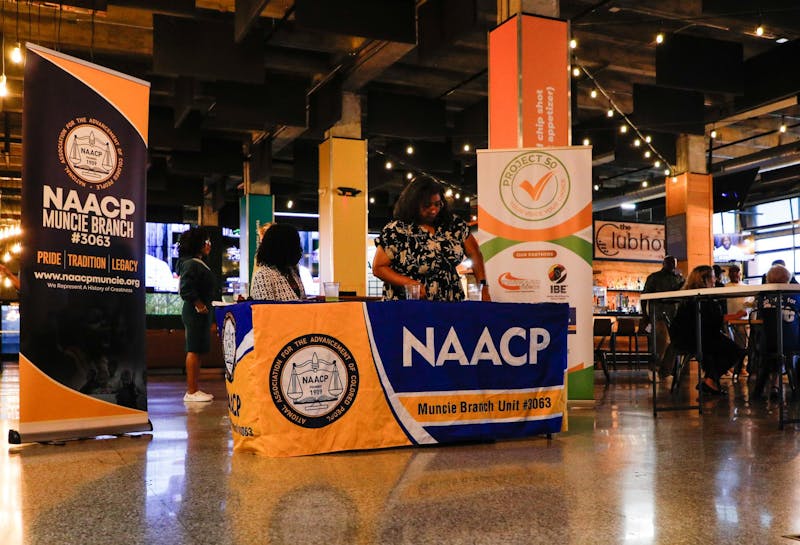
657,313
719,352
766,307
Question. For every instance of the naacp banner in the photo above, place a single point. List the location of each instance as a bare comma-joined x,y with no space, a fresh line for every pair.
311,378
82,337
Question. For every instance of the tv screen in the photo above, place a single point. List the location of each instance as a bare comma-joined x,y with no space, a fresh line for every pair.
734,247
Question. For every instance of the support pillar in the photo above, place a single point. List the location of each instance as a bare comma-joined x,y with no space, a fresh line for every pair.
690,204
343,201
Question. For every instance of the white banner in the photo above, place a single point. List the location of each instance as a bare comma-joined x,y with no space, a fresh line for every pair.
535,219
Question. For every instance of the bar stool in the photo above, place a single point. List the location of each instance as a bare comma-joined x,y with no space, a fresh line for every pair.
603,329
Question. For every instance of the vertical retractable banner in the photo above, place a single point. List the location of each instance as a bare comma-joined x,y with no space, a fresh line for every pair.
535,219
82,335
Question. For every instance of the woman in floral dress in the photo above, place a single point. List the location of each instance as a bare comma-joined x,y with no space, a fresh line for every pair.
424,244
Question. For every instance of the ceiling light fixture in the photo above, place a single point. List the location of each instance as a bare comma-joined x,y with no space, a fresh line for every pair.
644,183
290,204
347,191
782,127
781,40
660,38
16,54
713,133
628,206
760,30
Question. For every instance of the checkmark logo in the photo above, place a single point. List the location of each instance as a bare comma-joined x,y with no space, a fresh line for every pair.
535,190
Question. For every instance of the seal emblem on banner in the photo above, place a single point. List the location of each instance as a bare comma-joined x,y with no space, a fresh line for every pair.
229,345
91,153
534,185
313,380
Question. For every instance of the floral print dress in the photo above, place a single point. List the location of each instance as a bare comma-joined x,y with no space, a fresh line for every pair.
429,258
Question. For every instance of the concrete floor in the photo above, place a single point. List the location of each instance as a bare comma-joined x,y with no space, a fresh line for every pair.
619,475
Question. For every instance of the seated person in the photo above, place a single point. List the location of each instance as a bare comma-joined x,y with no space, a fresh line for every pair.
719,351
277,277
790,327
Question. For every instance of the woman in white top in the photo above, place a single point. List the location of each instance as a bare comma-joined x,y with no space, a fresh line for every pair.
277,277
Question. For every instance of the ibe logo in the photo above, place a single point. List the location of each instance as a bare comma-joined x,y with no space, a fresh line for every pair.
314,380
91,153
557,275
534,186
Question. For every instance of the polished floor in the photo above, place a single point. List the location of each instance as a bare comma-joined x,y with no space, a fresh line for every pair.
618,476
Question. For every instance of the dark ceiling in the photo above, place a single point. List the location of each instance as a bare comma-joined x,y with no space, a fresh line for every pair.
261,81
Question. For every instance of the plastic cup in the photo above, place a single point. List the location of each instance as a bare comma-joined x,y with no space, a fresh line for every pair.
473,292
331,290
412,291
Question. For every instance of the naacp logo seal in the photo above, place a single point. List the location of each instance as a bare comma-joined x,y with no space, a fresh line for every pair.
90,152
534,186
229,345
313,380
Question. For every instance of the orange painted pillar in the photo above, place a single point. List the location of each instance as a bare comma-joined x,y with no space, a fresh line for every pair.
692,195
529,90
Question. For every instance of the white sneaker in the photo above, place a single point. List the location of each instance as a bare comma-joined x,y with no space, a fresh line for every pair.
199,396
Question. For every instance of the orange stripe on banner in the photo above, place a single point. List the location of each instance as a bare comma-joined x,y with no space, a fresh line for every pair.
441,408
128,96
578,367
42,398
491,224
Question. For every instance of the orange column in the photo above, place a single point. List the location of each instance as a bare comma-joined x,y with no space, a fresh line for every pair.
529,92
692,194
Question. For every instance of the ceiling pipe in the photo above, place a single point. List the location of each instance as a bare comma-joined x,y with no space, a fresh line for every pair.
769,158
640,195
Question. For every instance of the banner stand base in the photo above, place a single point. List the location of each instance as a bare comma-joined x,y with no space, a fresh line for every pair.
16,437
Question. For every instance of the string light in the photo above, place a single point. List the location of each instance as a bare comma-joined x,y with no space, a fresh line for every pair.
713,133
388,165
660,38
593,93
16,54
467,147
372,200
573,43
448,193
409,175
644,183
760,30
410,150
783,128
586,142
290,204
627,123
596,187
